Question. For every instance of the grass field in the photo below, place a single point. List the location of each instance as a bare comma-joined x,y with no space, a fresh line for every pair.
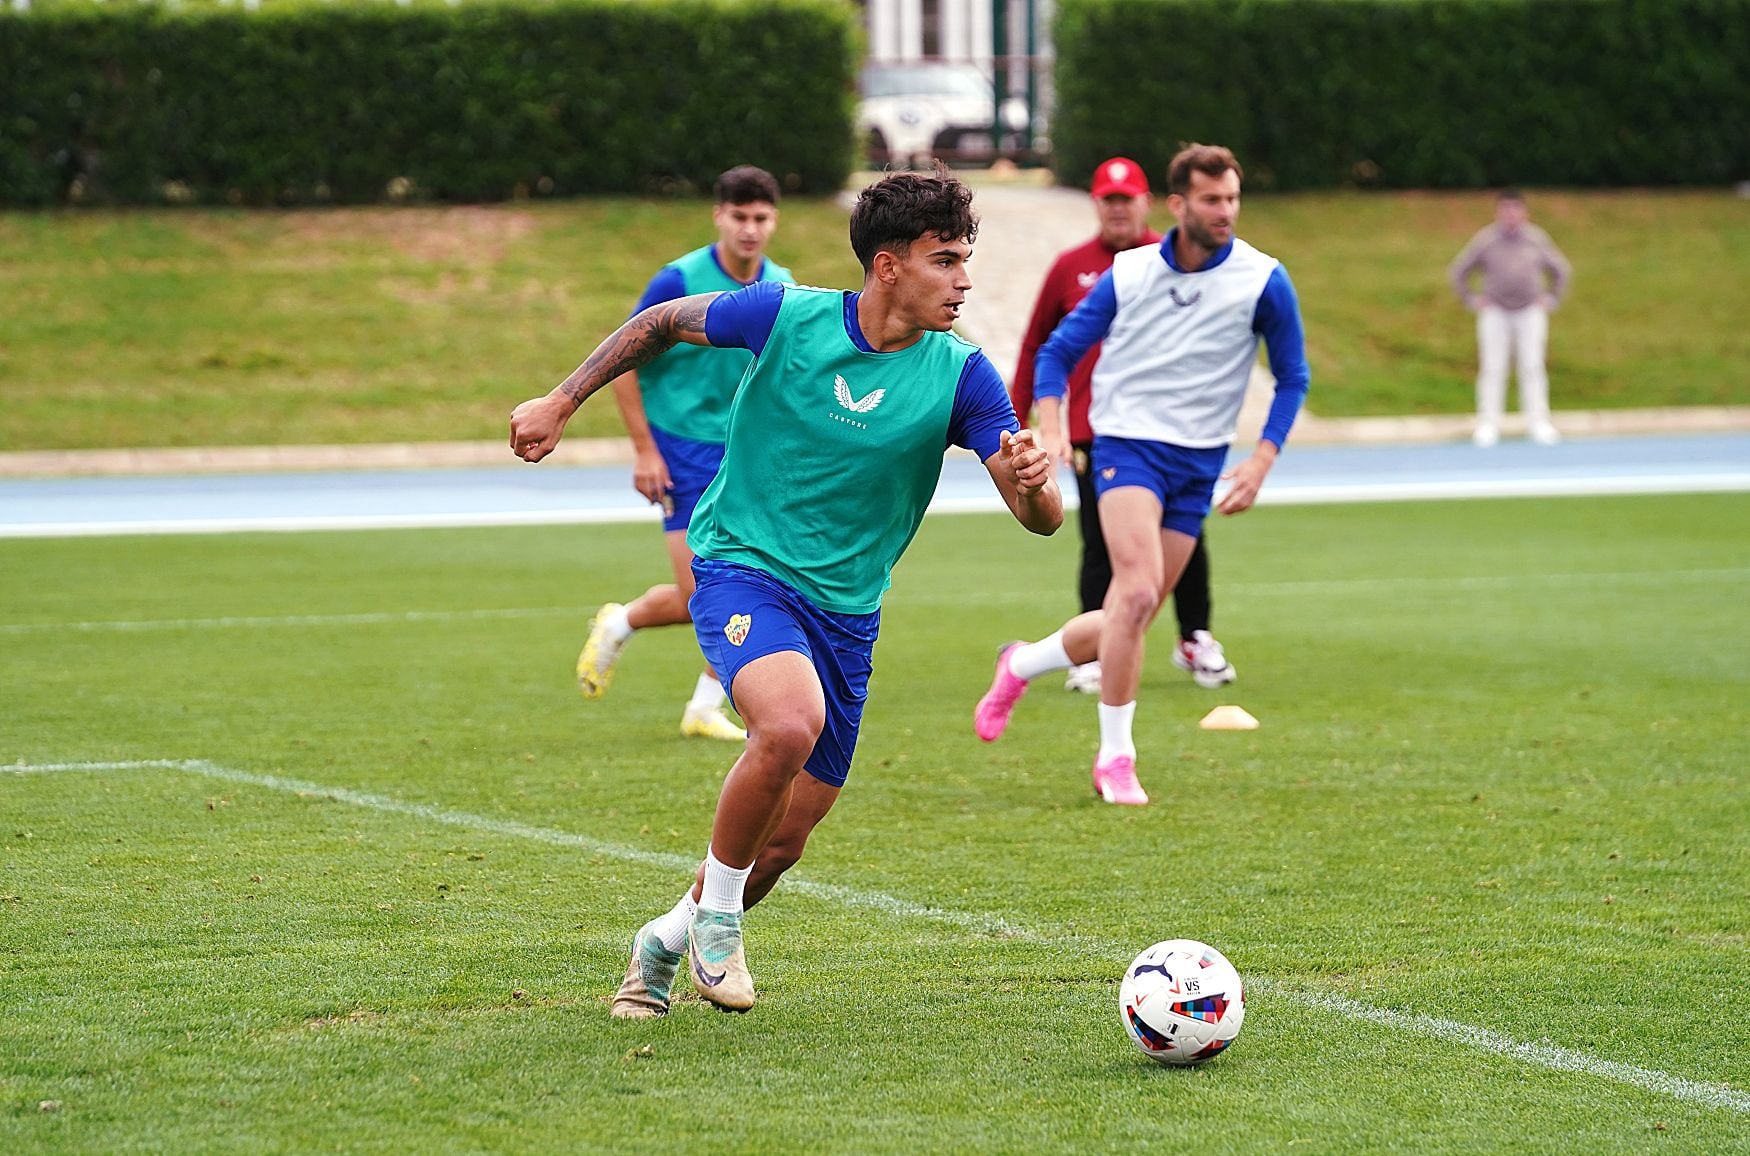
370,869
180,328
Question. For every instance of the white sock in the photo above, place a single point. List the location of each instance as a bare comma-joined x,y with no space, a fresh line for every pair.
1115,737
1032,659
672,928
707,694
723,885
617,626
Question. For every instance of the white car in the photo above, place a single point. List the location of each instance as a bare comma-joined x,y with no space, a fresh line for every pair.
913,111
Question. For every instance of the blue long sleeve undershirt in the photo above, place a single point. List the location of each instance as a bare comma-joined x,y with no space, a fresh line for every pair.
1276,319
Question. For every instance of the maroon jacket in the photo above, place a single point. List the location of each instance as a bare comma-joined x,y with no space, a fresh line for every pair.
1071,276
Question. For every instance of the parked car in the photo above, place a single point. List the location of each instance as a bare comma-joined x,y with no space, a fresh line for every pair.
916,110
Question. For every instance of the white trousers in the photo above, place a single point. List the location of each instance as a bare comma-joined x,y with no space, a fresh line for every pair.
1521,334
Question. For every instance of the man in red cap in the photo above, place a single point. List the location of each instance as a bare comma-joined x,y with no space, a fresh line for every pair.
1121,203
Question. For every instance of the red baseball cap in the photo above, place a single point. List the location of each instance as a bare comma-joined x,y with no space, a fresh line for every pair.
1119,176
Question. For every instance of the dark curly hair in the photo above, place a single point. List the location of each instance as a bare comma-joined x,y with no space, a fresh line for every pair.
902,207
744,185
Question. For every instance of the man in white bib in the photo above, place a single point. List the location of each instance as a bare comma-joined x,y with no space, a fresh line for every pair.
1180,324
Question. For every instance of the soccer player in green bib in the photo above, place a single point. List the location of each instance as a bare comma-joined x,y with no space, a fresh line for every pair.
676,410
836,437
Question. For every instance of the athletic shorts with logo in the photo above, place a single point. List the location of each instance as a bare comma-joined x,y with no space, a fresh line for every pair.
691,467
741,614
1182,477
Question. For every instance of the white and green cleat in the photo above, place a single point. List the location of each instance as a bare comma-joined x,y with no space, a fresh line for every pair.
719,966
644,992
595,666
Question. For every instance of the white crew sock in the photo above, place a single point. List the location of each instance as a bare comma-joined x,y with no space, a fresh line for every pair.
1115,737
707,694
617,626
723,885
672,928
1032,659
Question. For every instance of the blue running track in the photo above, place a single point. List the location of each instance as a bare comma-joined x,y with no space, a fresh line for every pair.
520,494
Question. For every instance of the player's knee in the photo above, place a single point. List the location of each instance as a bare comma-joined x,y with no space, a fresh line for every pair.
1133,605
789,736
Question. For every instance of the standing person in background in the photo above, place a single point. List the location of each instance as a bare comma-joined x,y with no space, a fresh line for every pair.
1524,276
1121,203
676,410
1181,321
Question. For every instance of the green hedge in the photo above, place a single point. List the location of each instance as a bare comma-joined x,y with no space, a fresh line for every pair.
489,100
1441,93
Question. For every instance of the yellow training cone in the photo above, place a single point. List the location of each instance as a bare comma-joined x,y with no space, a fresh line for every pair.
1228,718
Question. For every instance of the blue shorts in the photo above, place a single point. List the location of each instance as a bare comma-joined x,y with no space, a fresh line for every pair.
741,614
1183,478
691,467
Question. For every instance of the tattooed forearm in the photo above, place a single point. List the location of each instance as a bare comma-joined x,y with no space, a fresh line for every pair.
633,344
638,342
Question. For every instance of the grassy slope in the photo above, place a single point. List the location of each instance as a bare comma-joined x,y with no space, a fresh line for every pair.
1641,327
161,328
1500,779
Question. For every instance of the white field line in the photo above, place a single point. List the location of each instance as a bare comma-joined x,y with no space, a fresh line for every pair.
235,621
1542,1054
306,523
1309,586
1487,581
846,896
1405,584
1311,492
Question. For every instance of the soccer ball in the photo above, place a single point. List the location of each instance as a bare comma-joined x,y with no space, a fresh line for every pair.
1181,1002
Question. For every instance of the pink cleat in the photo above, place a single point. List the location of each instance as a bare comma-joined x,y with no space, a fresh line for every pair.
1115,781
1006,689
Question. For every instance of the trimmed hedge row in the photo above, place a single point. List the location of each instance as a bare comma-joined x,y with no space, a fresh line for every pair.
485,101
1443,93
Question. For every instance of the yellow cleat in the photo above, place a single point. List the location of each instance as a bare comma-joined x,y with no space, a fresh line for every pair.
711,724
595,666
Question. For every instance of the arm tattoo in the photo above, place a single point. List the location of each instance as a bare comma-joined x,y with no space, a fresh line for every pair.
638,342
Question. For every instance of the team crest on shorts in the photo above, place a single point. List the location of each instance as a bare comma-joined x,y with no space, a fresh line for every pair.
737,629
1109,472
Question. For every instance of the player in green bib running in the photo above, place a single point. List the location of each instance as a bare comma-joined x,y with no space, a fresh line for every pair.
835,446
676,410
